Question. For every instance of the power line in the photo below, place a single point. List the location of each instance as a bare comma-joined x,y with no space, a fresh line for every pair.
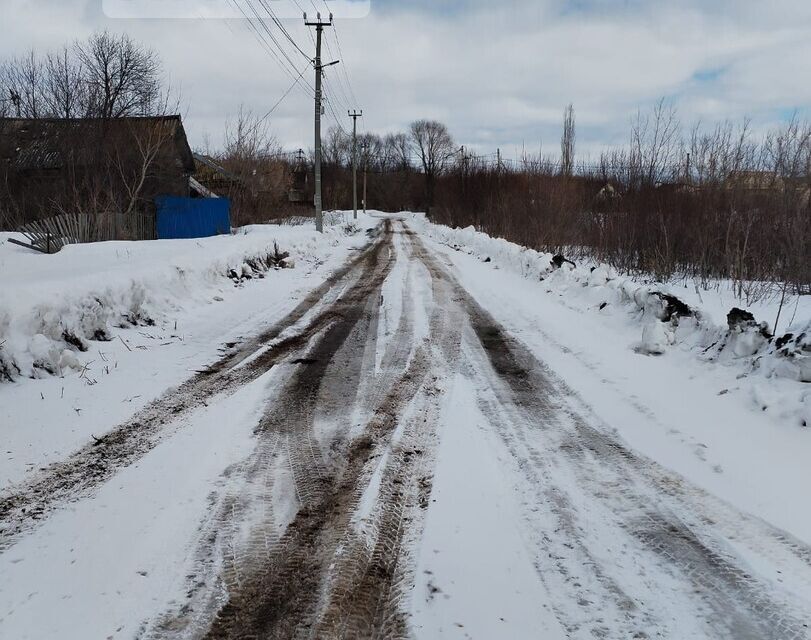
345,95
278,23
278,102
271,35
345,69
269,49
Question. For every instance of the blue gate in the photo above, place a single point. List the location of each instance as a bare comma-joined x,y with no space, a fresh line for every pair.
192,217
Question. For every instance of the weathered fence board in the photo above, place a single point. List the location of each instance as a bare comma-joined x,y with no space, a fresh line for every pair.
51,234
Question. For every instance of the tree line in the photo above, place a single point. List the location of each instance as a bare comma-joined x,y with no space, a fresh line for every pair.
675,201
106,76
708,204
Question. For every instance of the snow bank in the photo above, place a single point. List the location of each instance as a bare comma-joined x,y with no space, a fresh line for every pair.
666,316
52,306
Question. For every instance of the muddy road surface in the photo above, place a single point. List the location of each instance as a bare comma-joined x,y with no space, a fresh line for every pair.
319,529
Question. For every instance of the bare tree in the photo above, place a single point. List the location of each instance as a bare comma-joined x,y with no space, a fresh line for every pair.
252,155
108,76
567,142
23,80
64,89
145,145
122,76
655,141
370,151
396,149
336,148
248,139
434,147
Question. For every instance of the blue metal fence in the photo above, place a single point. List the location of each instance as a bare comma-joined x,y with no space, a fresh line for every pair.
192,217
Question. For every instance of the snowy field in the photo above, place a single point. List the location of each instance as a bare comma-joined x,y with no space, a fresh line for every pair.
416,432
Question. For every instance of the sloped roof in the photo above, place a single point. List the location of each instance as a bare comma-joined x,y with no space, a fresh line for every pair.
45,143
209,162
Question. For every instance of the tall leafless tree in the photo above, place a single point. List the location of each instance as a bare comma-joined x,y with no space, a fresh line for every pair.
396,150
108,76
434,147
64,90
567,142
122,76
22,79
655,142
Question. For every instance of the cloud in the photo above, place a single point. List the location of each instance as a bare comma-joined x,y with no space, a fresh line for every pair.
499,74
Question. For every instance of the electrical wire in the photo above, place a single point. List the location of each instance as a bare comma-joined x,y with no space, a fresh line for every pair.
269,49
278,23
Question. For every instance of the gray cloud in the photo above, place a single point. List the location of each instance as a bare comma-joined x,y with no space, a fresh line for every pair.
499,75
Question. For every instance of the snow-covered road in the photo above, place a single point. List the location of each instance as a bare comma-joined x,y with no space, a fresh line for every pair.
417,449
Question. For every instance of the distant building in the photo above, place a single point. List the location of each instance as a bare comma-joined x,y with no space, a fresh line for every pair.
211,175
755,181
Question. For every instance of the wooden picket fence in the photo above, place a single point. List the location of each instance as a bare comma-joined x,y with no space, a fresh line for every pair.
49,235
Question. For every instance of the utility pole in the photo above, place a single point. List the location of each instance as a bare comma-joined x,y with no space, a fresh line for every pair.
355,115
365,169
319,69
464,168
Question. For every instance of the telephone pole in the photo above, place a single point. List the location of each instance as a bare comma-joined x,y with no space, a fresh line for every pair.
365,169
319,68
355,115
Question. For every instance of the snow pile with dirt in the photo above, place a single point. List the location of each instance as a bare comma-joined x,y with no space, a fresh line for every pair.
714,325
52,306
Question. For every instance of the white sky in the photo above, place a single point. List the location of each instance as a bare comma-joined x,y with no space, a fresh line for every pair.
499,74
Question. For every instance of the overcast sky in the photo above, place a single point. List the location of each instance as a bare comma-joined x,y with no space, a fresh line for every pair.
499,74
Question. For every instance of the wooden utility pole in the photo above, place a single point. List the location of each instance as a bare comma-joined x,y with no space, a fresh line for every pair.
365,169
319,69
355,115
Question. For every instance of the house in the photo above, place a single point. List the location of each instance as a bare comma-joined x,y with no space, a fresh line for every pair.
755,181
90,166
213,177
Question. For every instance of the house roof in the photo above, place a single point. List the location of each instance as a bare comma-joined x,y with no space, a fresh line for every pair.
48,143
211,163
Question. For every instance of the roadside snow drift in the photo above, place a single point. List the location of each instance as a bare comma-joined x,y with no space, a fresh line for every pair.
51,306
709,324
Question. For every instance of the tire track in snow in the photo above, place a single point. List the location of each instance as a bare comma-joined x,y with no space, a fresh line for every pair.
681,533
23,506
276,594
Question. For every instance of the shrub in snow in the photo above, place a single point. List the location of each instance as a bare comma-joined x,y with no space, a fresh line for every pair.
746,336
559,260
793,351
665,318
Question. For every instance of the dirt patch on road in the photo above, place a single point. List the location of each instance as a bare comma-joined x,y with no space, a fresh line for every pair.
323,575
